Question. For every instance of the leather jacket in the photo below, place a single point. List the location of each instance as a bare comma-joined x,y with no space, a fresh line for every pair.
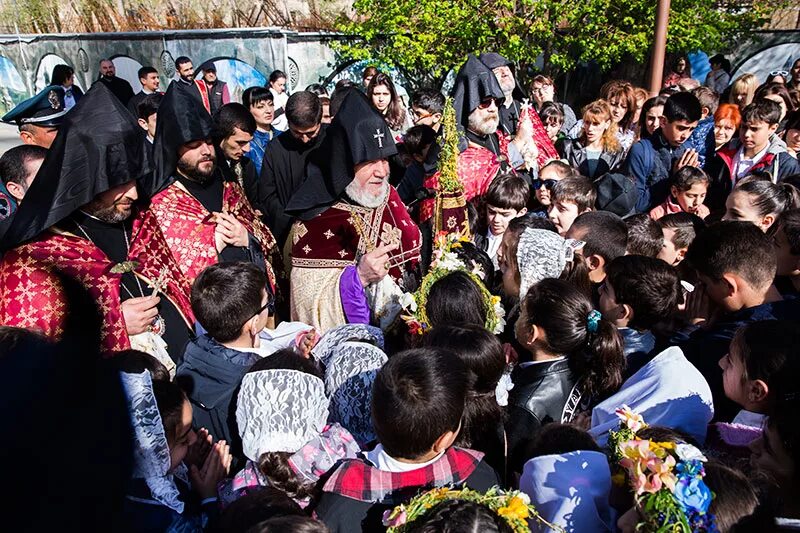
543,392
575,154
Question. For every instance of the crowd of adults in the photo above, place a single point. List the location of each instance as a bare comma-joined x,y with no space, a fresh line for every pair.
350,312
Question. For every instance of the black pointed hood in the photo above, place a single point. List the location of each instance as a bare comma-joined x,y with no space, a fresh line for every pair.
98,146
181,119
494,60
474,82
357,134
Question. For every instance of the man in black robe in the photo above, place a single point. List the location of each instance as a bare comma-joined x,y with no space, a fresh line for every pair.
233,131
510,106
202,211
81,216
119,87
284,166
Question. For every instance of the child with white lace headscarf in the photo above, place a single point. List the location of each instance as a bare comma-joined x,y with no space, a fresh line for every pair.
540,254
282,414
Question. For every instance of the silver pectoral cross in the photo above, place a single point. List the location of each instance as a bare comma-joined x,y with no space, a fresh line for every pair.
379,135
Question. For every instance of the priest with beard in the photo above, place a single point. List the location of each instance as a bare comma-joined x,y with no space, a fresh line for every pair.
203,212
355,249
510,106
485,151
80,217
514,109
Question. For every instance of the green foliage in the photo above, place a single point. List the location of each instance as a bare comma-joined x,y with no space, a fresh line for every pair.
426,38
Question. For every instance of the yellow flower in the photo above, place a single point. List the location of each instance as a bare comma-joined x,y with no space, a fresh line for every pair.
515,508
661,449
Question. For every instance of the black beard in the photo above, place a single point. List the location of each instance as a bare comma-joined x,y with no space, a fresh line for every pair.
107,213
194,174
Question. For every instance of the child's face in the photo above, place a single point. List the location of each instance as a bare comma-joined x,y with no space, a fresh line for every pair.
594,129
184,437
547,178
691,200
676,132
263,112
619,106
769,454
787,262
497,218
669,253
732,365
563,214
552,127
652,117
608,306
755,135
739,206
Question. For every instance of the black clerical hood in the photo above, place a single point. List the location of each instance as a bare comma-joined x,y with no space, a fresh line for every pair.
181,119
357,134
98,146
494,60
474,82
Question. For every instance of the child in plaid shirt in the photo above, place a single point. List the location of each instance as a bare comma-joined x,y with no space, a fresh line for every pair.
417,402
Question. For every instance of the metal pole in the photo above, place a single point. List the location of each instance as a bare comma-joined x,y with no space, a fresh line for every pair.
659,47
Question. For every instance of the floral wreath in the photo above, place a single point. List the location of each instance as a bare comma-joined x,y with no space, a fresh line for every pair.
445,261
666,477
514,506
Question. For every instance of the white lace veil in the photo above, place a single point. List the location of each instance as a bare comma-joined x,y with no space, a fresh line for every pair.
351,370
151,452
542,254
280,411
340,334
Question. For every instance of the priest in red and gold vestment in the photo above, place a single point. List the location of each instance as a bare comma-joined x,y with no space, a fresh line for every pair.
205,217
80,217
487,150
355,248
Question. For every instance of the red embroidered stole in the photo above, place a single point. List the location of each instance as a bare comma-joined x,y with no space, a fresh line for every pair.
546,148
332,240
203,89
477,167
189,230
31,296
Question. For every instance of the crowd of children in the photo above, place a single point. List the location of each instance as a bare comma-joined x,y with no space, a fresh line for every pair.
614,346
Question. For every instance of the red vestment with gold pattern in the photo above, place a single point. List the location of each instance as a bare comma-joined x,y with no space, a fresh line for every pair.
31,297
189,229
338,236
477,167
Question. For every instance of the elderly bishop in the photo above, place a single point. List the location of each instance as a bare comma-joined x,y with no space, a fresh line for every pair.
355,249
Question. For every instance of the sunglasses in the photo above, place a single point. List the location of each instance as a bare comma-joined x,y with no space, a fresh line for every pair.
547,184
487,103
781,73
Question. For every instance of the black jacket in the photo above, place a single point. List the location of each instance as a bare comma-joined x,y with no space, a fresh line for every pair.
543,392
211,373
575,153
121,88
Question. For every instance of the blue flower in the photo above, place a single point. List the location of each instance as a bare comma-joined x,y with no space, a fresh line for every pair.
702,523
692,494
692,468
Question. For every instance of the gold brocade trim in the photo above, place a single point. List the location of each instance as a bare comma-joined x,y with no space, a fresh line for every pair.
451,203
321,263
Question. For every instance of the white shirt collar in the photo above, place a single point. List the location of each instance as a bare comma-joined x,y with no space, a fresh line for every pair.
383,461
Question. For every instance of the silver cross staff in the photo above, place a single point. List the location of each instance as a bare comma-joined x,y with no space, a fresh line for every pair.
379,135
161,282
